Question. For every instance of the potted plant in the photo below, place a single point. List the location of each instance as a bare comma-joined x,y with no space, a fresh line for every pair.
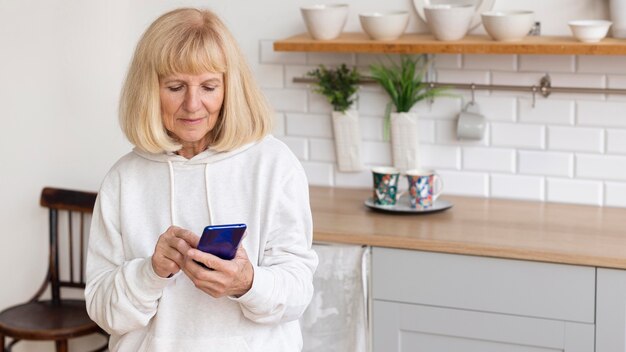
339,86
404,83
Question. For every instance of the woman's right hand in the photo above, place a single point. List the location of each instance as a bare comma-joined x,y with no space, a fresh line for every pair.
170,251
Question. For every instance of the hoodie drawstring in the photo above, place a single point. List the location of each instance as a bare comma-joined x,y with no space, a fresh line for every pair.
172,205
208,198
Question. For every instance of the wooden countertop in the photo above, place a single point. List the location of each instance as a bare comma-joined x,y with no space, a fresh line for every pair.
549,232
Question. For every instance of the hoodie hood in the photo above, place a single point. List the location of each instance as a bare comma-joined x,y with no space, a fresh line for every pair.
206,157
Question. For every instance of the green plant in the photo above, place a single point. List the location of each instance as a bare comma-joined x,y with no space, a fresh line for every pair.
337,85
404,83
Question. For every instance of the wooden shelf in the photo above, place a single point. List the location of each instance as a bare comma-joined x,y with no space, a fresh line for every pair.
473,44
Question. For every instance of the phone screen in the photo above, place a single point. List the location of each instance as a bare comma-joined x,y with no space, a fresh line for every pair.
222,240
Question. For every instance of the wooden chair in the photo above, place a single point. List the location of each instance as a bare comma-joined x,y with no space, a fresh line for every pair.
57,319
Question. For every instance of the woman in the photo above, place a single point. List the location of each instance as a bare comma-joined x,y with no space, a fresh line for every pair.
202,156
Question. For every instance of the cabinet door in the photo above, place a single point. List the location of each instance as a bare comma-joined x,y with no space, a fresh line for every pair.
514,287
400,327
611,311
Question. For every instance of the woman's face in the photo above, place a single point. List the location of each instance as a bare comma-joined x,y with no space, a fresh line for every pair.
191,104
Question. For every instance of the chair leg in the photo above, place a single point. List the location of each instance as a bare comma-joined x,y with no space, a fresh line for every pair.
61,345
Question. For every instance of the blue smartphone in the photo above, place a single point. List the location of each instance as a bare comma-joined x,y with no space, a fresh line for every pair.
222,240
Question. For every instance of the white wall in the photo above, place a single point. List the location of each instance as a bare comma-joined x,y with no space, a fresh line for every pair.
62,63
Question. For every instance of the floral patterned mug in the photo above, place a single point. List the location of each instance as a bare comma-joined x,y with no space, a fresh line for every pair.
424,187
386,185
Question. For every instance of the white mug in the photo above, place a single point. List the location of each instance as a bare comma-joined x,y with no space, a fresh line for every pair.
471,123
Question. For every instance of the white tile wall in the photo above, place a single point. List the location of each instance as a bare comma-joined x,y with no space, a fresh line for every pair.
426,130
465,183
579,139
497,108
292,71
578,80
442,108
269,76
319,174
516,78
322,150
574,191
361,179
490,62
547,63
517,187
279,125
616,141
601,113
440,157
372,103
330,59
309,125
548,111
546,163
601,64
376,153
372,127
462,76
518,135
365,60
287,100
446,134
489,159
318,104
443,61
567,148
615,194
616,81
269,56
299,146
601,167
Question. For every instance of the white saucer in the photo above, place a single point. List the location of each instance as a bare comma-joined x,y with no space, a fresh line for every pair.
403,206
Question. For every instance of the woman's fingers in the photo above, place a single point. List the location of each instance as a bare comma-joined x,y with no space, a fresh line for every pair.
170,250
189,237
225,277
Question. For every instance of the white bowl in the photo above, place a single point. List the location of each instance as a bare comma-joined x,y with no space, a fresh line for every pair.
384,25
508,26
449,22
589,31
325,22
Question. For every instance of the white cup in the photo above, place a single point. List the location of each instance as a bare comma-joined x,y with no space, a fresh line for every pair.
471,123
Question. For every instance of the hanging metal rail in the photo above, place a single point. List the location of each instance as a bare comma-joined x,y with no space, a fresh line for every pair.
544,87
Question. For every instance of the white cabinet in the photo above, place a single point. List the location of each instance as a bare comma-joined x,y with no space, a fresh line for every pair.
434,302
410,327
611,311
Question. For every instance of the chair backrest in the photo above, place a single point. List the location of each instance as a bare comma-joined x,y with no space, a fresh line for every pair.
72,207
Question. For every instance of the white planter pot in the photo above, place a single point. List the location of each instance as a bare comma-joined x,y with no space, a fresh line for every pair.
617,10
347,140
405,140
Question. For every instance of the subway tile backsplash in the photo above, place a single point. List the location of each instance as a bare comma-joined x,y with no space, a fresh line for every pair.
568,148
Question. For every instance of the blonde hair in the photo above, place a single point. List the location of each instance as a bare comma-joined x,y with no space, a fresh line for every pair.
191,41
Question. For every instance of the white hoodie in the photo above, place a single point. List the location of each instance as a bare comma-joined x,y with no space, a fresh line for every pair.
262,185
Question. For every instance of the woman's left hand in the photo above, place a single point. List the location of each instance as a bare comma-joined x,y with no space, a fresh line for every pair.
224,278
